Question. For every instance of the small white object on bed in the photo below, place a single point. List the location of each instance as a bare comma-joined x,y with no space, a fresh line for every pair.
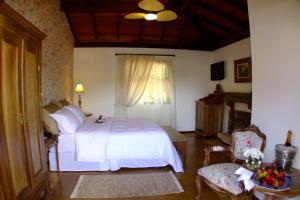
116,143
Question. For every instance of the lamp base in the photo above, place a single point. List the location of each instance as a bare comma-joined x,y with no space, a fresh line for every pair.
79,101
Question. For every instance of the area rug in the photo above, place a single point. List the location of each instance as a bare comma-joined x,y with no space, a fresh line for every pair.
126,185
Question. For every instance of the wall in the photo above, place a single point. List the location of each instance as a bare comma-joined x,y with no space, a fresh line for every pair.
95,69
275,43
229,54
57,48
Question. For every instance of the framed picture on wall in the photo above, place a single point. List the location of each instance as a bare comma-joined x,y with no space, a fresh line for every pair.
243,70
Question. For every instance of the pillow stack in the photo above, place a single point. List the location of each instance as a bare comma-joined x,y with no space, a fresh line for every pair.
77,112
48,122
61,117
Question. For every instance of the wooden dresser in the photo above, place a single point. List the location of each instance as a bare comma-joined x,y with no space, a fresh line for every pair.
209,113
23,169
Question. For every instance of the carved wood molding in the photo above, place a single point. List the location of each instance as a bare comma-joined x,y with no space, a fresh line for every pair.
236,97
217,97
20,20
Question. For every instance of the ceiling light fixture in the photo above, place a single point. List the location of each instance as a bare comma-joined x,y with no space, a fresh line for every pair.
156,12
150,16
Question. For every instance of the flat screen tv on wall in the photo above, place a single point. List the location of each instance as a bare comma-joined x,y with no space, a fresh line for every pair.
217,71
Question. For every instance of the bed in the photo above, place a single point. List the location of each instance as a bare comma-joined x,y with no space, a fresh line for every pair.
114,144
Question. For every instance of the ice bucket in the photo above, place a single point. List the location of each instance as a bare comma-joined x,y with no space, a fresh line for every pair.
284,156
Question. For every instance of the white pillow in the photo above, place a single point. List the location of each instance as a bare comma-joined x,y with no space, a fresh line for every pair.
66,120
77,112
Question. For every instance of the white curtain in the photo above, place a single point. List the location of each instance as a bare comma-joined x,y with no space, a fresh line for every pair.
131,80
157,100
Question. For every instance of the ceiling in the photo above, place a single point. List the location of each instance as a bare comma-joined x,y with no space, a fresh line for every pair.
201,24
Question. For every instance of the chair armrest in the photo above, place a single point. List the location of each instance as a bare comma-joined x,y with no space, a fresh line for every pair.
208,150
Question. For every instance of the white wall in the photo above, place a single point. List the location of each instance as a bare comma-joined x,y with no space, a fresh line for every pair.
275,44
229,54
95,69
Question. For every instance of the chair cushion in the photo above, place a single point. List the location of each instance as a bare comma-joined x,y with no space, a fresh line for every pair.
244,140
223,176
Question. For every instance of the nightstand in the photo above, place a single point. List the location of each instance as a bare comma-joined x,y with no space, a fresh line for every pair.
50,142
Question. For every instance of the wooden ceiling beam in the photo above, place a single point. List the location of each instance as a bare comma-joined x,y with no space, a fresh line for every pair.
206,18
163,30
185,5
146,44
141,30
71,25
103,6
241,4
228,7
90,2
232,39
118,25
183,30
94,26
217,11
97,6
225,29
211,31
209,38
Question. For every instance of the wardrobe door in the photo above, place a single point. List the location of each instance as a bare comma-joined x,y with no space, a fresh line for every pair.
31,102
11,119
1,193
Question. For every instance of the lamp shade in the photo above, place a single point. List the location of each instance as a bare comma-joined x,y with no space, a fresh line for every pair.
79,88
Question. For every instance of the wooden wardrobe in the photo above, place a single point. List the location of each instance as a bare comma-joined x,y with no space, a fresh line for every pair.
23,169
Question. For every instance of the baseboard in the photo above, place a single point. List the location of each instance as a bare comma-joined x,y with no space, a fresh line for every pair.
184,132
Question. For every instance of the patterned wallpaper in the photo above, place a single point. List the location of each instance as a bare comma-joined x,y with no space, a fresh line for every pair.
57,48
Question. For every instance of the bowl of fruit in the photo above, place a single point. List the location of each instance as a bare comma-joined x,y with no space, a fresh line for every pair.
272,177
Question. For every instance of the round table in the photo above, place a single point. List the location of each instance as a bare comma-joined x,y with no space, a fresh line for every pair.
293,192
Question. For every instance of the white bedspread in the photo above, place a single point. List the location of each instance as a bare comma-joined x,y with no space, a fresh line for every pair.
125,139
136,139
91,142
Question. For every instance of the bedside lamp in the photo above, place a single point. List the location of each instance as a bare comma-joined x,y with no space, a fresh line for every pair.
79,90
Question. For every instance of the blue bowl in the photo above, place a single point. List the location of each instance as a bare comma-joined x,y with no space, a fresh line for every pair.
286,186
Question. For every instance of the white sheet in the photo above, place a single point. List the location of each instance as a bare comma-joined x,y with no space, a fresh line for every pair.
136,139
66,144
67,162
91,142
117,143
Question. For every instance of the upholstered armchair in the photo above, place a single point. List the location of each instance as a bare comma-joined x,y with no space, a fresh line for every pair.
221,177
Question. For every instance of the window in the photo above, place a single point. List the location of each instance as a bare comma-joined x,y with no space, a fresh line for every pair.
144,89
158,89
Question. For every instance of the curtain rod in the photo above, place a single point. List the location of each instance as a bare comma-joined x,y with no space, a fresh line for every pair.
118,54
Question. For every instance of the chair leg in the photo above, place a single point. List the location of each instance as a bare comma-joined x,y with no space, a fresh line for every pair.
199,187
232,197
251,195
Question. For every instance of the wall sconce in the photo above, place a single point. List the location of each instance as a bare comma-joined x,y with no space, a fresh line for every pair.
79,90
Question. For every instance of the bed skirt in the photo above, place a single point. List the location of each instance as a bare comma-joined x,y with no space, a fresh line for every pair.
67,162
